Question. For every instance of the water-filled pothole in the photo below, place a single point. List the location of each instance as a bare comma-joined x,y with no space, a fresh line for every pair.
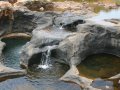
101,66
36,79
41,65
12,51
54,72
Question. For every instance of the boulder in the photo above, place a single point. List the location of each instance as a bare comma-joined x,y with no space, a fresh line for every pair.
6,72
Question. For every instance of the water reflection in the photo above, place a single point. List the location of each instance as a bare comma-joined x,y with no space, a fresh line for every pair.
101,66
115,13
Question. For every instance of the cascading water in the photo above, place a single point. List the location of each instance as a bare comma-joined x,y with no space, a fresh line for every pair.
61,26
46,60
36,79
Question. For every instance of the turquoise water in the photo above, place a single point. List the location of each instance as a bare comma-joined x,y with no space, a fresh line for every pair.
12,52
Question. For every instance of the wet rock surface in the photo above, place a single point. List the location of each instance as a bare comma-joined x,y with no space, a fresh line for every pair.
6,72
71,37
73,47
88,40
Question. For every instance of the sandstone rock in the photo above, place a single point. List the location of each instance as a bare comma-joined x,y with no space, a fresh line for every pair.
89,40
6,72
49,33
72,47
67,46
40,42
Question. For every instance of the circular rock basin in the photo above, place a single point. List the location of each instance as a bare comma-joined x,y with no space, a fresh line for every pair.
12,51
99,67
36,78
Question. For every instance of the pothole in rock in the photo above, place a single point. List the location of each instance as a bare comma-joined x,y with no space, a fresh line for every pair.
100,67
41,65
12,51
36,78
55,71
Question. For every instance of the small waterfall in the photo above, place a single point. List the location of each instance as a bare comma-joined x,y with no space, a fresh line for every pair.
61,27
46,60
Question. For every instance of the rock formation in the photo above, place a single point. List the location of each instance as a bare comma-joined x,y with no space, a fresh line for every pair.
71,37
71,45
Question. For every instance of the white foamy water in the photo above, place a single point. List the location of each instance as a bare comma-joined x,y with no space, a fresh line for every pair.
44,66
45,59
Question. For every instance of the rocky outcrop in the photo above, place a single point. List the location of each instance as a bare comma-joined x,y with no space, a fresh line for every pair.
20,19
70,37
50,35
90,39
72,47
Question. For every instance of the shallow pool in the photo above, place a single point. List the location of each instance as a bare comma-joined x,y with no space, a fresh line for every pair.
36,79
100,67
